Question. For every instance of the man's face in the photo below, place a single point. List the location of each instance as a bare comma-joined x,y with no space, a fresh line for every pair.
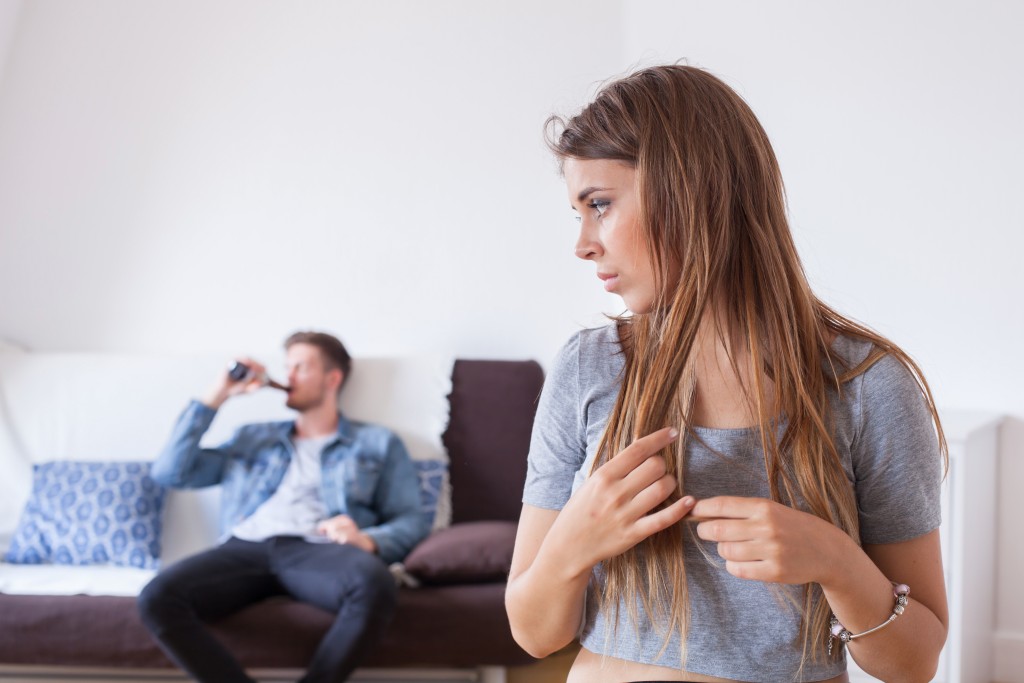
309,379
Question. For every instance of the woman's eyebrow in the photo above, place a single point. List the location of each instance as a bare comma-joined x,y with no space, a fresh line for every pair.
589,191
586,193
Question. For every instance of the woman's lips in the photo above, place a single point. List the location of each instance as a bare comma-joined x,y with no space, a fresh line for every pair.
610,280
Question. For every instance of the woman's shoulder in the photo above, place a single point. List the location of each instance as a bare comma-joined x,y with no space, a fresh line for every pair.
850,351
886,372
599,352
884,394
592,343
603,337
591,357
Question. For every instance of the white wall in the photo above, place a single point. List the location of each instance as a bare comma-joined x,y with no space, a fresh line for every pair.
208,175
189,176
897,127
9,10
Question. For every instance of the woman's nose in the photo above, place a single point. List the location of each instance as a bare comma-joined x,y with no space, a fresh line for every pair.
585,252
587,247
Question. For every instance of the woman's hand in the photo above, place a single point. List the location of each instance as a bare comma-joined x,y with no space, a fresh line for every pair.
556,550
611,512
763,540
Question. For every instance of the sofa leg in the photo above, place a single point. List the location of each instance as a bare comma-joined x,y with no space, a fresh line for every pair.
491,674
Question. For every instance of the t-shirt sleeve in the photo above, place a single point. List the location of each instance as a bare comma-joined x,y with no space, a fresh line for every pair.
558,442
896,459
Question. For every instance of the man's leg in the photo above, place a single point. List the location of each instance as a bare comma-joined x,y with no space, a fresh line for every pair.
352,584
206,587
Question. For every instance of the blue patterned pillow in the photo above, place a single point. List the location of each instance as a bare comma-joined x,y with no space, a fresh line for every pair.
432,483
90,513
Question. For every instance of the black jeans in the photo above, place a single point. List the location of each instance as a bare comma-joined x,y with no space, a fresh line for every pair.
352,584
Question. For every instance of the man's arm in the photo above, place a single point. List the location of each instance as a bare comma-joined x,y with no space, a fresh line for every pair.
183,463
398,502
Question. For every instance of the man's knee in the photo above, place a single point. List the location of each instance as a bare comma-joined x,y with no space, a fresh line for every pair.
159,602
375,583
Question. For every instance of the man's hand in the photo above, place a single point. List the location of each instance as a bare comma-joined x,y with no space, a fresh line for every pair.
224,387
341,529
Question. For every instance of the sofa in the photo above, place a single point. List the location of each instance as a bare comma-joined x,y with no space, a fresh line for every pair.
81,623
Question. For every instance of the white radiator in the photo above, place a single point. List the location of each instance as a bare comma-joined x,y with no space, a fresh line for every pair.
968,534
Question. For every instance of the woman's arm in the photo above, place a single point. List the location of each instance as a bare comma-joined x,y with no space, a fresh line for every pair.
544,599
907,649
766,541
556,550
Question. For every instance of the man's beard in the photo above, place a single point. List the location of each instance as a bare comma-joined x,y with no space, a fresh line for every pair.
295,403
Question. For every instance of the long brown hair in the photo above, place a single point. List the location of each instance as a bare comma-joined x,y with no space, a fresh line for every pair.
713,216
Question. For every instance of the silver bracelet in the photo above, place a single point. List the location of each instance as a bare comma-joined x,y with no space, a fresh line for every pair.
839,632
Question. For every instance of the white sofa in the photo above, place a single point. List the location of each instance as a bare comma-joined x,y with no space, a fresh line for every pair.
105,407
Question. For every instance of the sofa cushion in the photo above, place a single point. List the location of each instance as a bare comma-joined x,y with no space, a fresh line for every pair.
472,552
447,626
84,513
488,436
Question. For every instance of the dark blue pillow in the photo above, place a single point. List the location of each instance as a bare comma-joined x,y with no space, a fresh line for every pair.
90,513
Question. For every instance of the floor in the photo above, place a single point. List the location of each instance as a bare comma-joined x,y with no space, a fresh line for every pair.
553,669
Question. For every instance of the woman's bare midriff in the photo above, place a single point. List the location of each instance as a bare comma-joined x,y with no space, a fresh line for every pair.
594,668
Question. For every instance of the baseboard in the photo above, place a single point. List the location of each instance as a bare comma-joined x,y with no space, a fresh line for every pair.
55,674
1009,657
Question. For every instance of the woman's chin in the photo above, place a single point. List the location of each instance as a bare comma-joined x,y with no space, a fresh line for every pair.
637,308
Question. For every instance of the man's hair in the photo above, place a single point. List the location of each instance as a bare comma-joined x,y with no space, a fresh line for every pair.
331,349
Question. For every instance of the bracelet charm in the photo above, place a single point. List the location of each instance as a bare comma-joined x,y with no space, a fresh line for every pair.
839,632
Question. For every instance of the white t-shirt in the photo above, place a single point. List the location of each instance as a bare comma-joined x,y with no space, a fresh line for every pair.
296,507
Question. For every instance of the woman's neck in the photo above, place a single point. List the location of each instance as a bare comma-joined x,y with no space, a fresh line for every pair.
725,396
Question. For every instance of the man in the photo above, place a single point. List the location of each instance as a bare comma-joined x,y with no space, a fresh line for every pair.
314,508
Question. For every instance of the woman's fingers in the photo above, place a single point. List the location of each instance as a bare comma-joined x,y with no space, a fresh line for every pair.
646,473
732,507
664,518
725,529
652,495
741,551
610,512
629,458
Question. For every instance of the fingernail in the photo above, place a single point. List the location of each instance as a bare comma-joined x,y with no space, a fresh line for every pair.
688,500
673,433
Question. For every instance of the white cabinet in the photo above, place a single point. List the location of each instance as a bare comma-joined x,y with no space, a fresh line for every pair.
968,534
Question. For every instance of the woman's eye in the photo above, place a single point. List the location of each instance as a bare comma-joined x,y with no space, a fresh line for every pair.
599,206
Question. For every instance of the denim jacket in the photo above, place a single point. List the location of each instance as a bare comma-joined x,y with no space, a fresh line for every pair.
367,474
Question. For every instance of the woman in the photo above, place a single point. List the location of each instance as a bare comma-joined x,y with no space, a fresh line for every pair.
753,477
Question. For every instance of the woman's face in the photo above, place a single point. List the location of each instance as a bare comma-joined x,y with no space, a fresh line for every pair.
604,194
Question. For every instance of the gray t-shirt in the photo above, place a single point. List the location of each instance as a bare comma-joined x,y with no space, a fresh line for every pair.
296,507
739,629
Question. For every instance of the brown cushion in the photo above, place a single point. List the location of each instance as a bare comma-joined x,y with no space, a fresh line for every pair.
488,436
472,552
